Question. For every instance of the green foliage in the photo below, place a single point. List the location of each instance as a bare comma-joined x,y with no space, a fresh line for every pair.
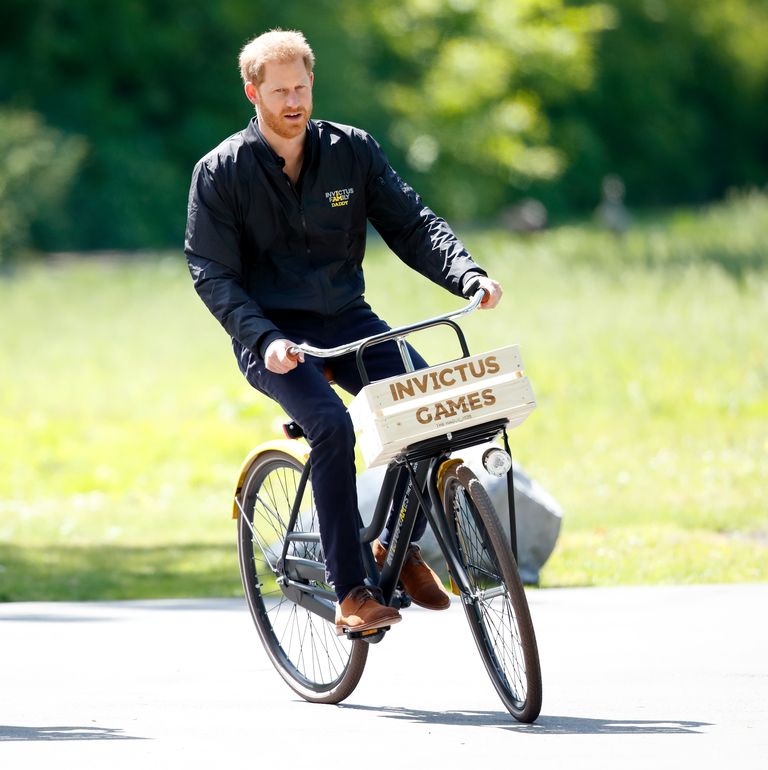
152,86
677,107
37,166
122,435
467,86
477,103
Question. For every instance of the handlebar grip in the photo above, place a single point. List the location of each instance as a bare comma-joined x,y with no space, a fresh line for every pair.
472,287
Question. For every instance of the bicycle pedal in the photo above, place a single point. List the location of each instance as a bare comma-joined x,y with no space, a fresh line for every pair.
370,635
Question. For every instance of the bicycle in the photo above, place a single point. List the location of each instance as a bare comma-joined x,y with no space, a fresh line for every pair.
279,549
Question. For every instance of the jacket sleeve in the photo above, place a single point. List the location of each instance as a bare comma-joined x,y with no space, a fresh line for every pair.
212,248
413,231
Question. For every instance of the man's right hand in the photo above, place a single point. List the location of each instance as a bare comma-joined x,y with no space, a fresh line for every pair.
278,359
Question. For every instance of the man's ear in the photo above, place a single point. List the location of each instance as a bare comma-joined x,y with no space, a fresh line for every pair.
251,93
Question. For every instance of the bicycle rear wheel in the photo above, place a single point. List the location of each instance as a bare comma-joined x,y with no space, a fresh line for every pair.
495,604
303,647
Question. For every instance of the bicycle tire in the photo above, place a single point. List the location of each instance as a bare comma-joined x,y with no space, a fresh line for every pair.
495,606
304,648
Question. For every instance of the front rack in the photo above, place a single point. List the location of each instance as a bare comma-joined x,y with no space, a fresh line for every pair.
453,441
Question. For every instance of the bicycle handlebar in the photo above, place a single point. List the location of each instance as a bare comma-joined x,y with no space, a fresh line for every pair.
351,347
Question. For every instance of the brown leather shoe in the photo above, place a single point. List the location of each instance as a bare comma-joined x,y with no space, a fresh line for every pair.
361,611
419,580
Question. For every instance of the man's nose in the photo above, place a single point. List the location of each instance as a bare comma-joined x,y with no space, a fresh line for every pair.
292,99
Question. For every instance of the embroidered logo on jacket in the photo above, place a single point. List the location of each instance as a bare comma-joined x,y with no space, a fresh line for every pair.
339,197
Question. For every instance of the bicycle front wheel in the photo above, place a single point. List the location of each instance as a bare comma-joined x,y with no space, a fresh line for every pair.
303,647
495,602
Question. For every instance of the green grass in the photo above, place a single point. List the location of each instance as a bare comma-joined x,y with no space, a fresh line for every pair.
124,419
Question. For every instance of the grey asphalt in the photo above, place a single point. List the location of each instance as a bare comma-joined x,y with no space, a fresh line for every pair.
633,677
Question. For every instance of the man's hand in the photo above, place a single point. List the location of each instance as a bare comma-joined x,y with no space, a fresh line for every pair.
493,291
277,358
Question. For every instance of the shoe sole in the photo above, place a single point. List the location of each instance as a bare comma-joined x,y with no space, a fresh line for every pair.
431,606
371,626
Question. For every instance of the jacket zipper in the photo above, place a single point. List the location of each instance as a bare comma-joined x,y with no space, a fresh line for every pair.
301,212
303,216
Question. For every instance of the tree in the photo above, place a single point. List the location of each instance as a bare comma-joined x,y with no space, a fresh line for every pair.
467,86
678,108
37,167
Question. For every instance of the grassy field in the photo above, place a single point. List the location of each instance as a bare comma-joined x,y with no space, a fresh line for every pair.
123,417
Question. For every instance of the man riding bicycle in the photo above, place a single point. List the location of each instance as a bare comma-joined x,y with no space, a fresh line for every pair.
275,241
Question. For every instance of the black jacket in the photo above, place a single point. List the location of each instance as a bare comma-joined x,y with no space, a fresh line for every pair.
257,246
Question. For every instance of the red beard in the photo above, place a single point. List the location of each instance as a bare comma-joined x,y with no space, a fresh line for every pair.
283,127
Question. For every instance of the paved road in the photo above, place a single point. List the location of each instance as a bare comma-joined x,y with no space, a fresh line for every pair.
633,677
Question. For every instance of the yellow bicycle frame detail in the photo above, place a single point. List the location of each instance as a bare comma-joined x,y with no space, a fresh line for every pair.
296,448
446,467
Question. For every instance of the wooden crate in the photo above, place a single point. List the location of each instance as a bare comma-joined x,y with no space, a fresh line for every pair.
391,414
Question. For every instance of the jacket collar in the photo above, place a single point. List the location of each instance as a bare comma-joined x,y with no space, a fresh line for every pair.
263,150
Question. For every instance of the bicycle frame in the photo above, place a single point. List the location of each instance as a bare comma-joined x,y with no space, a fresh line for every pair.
422,463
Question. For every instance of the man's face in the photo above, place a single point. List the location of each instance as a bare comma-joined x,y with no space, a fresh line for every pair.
284,98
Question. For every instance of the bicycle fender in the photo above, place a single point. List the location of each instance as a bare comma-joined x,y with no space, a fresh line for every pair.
445,467
295,448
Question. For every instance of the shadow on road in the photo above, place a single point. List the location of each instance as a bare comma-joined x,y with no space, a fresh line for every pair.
554,725
60,733
545,725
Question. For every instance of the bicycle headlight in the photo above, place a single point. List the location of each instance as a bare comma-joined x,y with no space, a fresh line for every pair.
496,461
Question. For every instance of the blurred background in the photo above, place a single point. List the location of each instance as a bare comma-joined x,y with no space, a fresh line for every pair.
607,161
104,107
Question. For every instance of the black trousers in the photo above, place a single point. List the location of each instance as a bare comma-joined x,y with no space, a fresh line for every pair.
306,396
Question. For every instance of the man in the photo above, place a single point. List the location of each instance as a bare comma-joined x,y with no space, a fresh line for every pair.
275,241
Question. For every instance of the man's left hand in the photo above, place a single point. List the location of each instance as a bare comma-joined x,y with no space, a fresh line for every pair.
492,289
